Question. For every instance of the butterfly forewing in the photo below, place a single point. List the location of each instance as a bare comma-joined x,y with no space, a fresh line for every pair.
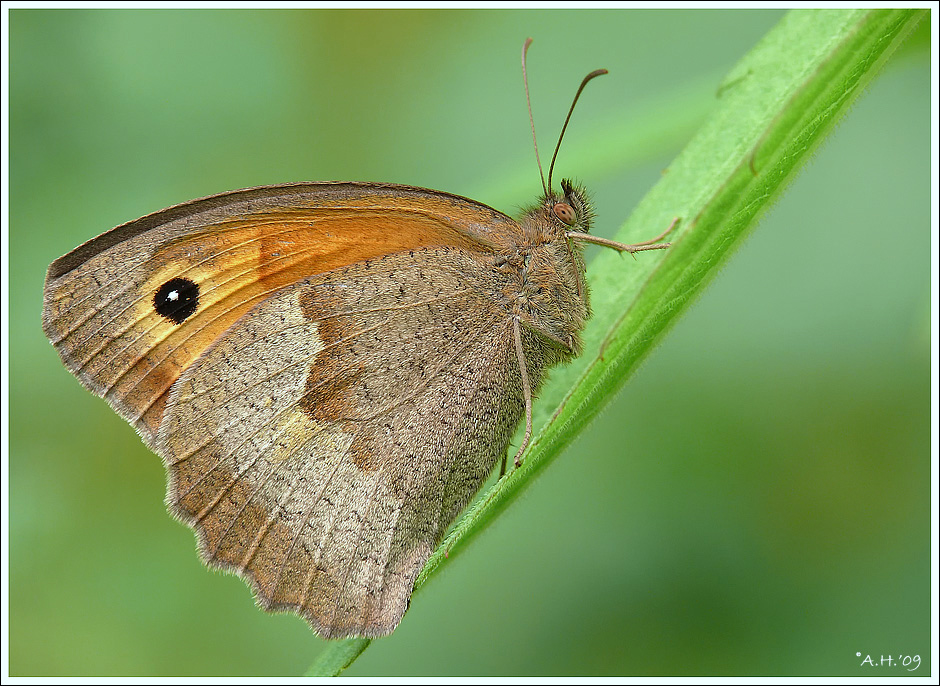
236,249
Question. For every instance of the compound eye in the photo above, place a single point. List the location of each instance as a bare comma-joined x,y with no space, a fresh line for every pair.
565,212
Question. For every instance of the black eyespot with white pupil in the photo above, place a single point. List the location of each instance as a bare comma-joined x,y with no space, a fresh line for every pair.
565,212
177,299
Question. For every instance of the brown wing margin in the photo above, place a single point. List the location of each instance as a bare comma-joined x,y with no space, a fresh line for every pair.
465,215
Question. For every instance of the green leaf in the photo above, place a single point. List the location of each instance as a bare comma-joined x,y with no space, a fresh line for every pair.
775,107
338,656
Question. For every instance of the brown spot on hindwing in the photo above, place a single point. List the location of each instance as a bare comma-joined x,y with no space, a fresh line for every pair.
331,379
330,391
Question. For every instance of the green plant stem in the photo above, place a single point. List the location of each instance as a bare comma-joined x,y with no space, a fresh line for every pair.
338,656
775,108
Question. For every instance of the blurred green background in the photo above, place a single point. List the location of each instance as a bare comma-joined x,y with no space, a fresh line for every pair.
756,501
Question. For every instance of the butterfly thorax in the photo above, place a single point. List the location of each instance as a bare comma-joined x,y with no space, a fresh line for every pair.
545,285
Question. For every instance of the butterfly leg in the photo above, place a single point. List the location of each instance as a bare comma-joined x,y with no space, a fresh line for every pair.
661,236
652,244
526,392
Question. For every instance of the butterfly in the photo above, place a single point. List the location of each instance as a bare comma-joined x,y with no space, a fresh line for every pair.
329,370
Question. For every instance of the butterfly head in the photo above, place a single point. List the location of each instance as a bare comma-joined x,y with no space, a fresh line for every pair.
572,208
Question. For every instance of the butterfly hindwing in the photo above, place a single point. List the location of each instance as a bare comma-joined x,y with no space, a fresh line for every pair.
332,497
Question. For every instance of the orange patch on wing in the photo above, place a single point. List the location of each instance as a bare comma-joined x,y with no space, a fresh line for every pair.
331,238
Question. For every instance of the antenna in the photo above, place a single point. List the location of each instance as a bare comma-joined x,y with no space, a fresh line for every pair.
528,102
592,75
525,81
